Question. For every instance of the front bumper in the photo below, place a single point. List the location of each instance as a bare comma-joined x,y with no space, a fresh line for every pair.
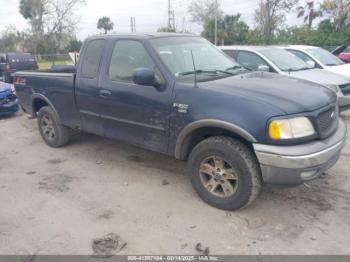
9,108
299,163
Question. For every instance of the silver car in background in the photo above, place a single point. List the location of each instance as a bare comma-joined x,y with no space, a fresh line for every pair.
277,60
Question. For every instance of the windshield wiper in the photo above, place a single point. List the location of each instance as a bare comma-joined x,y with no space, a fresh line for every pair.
224,71
201,71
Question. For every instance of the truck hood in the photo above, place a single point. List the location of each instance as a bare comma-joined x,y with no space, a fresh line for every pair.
320,76
343,69
289,95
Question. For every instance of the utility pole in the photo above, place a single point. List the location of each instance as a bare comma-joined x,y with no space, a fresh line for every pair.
216,23
133,24
183,25
171,16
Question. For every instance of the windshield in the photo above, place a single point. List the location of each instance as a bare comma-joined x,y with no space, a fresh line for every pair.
324,56
285,60
208,62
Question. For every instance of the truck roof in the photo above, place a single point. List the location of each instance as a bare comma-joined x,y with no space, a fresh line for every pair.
141,35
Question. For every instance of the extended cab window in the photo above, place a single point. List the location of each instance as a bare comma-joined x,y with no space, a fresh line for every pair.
128,55
250,60
92,57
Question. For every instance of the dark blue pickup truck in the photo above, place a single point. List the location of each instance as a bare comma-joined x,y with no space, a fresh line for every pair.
181,96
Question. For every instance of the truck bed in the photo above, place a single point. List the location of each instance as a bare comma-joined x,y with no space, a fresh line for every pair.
57,87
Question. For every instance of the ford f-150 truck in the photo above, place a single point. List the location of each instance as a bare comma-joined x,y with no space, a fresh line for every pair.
181,96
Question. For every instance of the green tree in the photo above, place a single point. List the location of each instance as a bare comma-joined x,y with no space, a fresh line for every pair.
254,37
231,30
235,30
166,29
105,23
9,39
74,45
34,11
52,23
337,11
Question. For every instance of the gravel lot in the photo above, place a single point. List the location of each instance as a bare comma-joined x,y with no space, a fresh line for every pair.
56,201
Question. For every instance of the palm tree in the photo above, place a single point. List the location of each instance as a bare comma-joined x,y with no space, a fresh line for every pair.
105,23
308,12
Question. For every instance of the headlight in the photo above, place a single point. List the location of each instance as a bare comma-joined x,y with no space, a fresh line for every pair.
291,128
334,88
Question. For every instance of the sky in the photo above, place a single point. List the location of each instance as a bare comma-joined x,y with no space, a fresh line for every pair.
149,14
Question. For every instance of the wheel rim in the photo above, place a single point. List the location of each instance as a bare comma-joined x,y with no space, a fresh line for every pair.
218,177
47,127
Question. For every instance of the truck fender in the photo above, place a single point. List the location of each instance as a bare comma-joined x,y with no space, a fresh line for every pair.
187,130
37,96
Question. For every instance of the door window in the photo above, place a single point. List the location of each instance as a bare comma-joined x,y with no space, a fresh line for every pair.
301,55
304,57
230,53
250,60
92,57
346,50
127,56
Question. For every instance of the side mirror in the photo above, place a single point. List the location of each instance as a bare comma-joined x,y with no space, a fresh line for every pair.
311,63
144,77
263,68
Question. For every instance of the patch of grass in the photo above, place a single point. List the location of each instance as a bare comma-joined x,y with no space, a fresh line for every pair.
46,64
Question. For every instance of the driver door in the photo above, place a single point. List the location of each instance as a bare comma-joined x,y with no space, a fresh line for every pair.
133,113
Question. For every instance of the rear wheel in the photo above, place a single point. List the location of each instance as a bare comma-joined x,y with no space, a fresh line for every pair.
225,173
53,133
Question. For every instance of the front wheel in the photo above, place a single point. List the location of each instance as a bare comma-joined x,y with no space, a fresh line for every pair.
225,173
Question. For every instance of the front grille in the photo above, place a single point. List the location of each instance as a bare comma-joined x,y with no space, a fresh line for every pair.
345,89
327,121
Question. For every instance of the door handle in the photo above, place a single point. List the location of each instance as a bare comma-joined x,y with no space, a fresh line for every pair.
105,93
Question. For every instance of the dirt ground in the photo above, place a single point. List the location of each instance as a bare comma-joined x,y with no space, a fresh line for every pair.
56,201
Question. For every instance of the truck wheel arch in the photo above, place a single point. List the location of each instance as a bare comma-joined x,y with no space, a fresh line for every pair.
38,101
187,138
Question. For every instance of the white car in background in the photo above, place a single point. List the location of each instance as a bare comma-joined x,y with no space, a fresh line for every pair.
321,58
277,60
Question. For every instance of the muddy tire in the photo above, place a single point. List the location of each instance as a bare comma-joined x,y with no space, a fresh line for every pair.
53,133
225,173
